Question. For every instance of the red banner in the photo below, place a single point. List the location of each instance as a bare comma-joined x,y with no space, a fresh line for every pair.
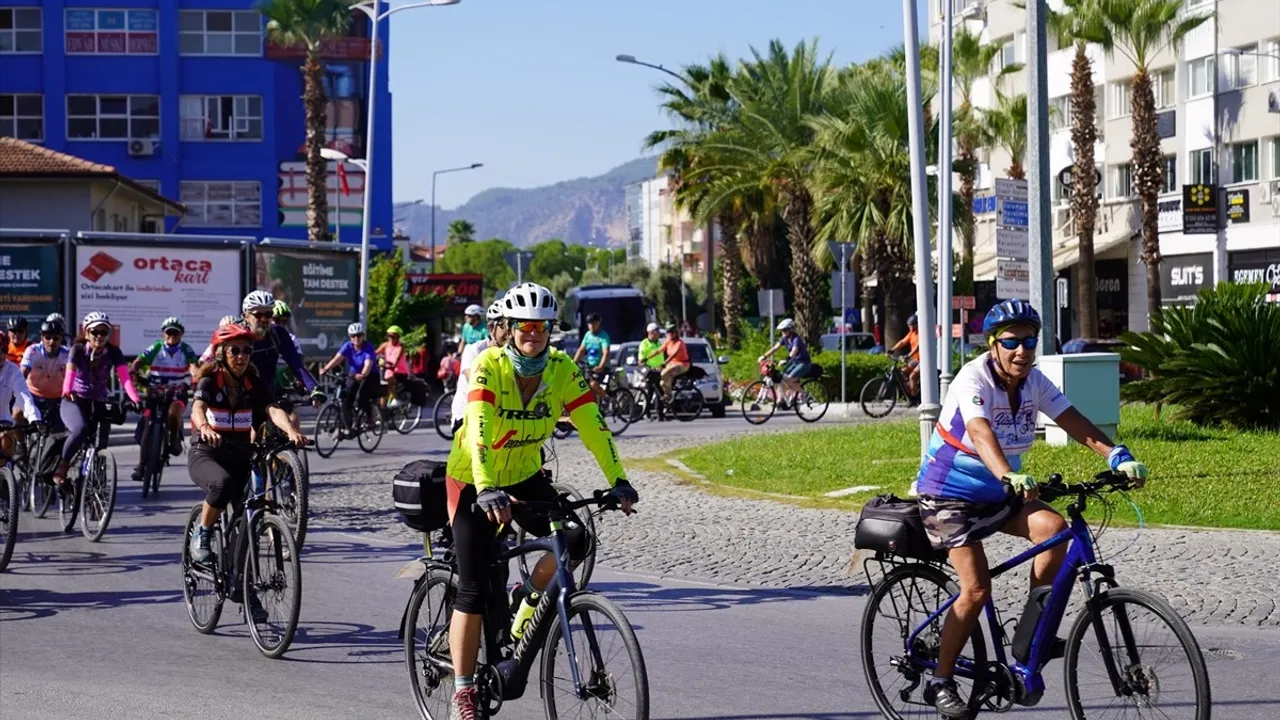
458,290
338,48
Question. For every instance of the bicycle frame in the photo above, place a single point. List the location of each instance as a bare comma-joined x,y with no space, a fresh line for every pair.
1081,561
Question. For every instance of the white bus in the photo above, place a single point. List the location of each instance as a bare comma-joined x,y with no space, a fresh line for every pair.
623,310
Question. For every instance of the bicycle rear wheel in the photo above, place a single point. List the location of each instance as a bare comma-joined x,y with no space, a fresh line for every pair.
1122,630
426,644
10,504
69,495
406,417
878,397
812,402
156,449
291,486
600,632
98,496
371,431
328,423
899,604
618,407
687,404
201,591
442,416
759,401
272,575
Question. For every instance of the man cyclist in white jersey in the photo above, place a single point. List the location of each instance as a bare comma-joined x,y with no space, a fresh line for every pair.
971,483
497,337
170,363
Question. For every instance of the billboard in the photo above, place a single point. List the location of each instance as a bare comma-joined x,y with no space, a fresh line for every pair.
457,290
140,286
321,289
30,284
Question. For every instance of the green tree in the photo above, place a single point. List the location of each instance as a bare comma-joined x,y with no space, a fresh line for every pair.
460,231
550,259
308,23
486,258
1142,31
388,304
1005,125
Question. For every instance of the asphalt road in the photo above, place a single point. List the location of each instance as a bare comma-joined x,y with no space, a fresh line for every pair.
100,630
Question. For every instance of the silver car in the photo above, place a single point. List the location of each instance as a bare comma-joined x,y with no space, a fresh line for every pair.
711,386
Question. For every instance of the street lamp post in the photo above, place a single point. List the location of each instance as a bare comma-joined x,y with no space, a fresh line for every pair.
472,166
370,9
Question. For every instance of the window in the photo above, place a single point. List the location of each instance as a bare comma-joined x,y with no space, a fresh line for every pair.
1170,179
1244,161
215,32
1012,51
22,117
1120,104
1200,77
1122,186
20,30
221,117
1275,158
112,117
1099,110
1202,167
1162,87
1240,69
221,204
1269,59
111,32
1059,113
152,185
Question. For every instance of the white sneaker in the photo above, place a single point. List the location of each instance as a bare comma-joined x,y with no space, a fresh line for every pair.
393,403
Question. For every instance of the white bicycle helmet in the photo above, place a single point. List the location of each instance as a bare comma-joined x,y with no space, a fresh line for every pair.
530,301
494,313
355,328
56,318
227,320
653,327
256,300
786,324
172,323
95,319
473,310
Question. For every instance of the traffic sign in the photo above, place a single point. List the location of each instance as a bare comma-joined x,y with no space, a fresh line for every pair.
1012,216
963,302
1012,243
1013,279
1011,188
1012,213
772,302
841,251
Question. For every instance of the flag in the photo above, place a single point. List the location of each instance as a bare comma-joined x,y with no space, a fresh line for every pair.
342,179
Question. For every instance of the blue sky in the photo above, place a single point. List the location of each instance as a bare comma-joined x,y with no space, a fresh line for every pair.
531,89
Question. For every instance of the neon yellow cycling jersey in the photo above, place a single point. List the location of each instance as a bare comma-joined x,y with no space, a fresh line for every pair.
500,441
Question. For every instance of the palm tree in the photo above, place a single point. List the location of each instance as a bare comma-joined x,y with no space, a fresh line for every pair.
1005,125
1141,30
460,231
308,23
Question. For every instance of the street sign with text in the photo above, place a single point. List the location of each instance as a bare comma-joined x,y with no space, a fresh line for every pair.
1013,279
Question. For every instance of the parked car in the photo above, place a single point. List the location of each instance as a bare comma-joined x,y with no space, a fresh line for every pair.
854,342
1128,371
700,356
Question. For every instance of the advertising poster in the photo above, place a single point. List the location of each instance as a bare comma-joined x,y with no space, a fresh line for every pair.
320,288
458,290
29,283
138,287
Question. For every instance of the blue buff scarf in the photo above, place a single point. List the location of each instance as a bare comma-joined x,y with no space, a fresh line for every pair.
528,366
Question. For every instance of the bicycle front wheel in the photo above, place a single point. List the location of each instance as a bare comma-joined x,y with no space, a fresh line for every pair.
272,582
426,644
759,402
371,431
600,632
442,416
812,402
328,424
202,591
878,398
406,416
1146,642
10,504
98,497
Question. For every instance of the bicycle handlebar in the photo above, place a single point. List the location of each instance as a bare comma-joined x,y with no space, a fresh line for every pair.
600,498
1107,480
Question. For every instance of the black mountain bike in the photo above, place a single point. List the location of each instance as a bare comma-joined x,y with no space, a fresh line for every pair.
686,399
91,482
368,425
11,492
154,445
882,394
575,630
288,483
255,563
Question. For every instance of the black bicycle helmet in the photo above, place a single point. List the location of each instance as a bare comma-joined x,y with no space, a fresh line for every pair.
17,324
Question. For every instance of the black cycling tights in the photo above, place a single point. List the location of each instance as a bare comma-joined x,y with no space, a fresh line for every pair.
474,534
365,391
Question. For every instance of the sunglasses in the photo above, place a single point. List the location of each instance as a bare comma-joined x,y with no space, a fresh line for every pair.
239,350
173,333
1029,343
99,333
50,336
531,326
262,315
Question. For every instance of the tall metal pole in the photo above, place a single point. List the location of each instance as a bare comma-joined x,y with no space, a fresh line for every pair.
1040,252
929,408
844,305
946,260
1220,237
366,222
433,220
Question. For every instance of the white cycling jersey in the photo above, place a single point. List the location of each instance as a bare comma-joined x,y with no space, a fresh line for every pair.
13,390
469,355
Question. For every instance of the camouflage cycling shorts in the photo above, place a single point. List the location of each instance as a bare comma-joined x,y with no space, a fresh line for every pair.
955,523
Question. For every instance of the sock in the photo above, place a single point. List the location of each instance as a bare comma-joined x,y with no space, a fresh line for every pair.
936,680
463,682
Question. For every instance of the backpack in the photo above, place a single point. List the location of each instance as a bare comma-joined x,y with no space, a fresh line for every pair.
419,495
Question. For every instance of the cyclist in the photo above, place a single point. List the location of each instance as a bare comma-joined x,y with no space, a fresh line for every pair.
911,343
44,365
677,360
971,484
207,356
497,337
798,360
229,394
394,358
650,347
273,342
87,383
518,392
170,363
13,391
361,362
16,329
595,346
473,329
282,316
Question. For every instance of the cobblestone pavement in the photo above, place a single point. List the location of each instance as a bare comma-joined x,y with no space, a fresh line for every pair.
1211,577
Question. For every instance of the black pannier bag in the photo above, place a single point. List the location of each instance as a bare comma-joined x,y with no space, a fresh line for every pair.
418,391
889,524
419,494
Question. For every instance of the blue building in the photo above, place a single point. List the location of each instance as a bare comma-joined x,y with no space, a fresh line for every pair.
190,97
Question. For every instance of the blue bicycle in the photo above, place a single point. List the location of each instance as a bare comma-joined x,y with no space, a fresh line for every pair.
1117,631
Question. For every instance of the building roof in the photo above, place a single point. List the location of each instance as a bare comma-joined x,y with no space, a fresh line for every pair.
21,159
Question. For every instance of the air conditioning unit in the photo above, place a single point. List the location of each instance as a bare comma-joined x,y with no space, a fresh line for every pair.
142,148
1264,191
1273,102
971,10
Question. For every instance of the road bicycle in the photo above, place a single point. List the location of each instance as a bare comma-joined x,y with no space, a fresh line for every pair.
760,399
573,643
11,491
35,455
882,394
153,447
330,429
908,605
91,483
255,561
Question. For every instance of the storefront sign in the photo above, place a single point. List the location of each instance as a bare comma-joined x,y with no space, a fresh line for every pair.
458,290
1199,210
1182,276
320,288
1238,206
138,287
335,48
30,285
1169,209
1254,266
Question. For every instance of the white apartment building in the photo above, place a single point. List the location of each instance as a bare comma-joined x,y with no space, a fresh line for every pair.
658,233
1228,68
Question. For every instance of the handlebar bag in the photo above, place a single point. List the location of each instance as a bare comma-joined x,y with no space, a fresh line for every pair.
418,493
889,524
